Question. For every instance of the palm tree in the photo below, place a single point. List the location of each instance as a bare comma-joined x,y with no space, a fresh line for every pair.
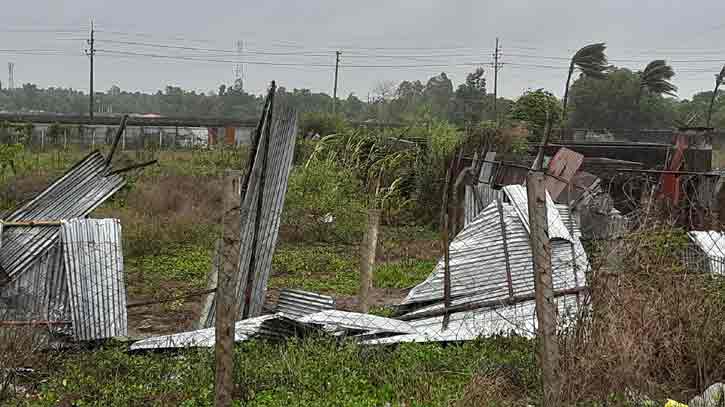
591,61
719,78
655,79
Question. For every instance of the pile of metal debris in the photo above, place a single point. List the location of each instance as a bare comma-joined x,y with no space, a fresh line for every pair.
58,267
492,289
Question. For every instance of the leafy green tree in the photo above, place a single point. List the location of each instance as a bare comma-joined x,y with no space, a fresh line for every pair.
470,98
438,93
611,103
532,108
592,63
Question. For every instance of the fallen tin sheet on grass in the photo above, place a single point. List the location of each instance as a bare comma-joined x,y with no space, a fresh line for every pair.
492,276
276,327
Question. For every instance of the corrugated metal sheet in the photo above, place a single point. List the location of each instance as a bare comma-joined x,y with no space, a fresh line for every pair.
39,293
342,320
279,155
78,192
282,144
564,164
519,319
517,195
298,303
480,272
93,262
479,196
478,264
712,245
243,330
280,326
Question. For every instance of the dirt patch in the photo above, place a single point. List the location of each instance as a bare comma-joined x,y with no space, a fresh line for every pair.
379,297
419,249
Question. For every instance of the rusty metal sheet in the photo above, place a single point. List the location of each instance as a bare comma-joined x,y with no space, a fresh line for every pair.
564,164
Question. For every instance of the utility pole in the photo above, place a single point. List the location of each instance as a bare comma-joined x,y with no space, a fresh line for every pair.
496,67
91,52
334,90
543,286
239,67
11,79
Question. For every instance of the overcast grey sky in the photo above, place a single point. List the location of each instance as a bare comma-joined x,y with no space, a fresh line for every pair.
380,41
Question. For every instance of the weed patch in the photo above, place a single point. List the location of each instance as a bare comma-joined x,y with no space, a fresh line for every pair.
315,372
402,274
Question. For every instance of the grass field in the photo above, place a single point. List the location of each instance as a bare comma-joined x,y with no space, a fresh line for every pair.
170,218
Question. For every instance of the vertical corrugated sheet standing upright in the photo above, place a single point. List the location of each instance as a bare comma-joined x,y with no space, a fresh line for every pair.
93,261
479,196
279,161
279,153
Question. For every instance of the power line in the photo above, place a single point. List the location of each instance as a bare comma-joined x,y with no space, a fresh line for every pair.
205,59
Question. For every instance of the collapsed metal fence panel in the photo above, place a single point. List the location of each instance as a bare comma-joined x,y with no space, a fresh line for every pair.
279,152
40,293
78,192
709,254
93,260
477,197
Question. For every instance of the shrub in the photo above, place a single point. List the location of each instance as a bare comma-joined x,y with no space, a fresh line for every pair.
323,203
321,123
654,327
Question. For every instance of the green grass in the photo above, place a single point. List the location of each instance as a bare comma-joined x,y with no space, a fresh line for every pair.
182,266
312,372
402,274
323,269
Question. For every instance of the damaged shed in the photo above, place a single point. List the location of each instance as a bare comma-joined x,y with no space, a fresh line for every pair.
57,267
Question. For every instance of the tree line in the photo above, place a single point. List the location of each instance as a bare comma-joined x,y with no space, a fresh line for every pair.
601,96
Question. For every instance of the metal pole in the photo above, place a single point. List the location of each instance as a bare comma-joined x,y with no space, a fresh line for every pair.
334,90
91,52
495,82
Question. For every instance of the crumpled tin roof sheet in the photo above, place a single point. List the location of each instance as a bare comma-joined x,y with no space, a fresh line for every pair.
334,320
517,195
40,293
93,260
479,273
478,264
298,303
78,192
243,330
713,245
280,326
465,326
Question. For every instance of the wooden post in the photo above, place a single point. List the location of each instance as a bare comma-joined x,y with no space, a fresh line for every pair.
225,298
543,286
367,256
446,272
